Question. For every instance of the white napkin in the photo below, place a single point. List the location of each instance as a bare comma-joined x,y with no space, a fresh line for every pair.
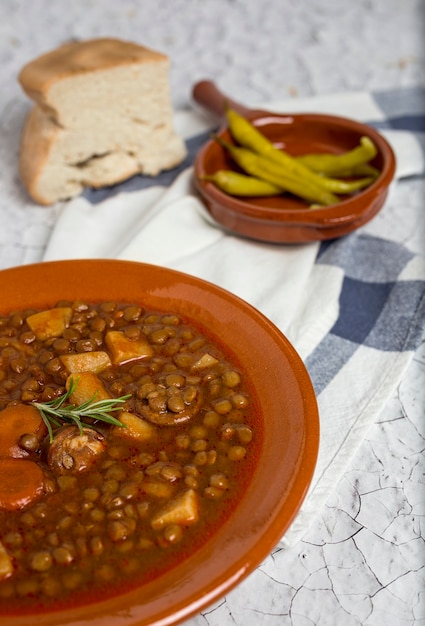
170,227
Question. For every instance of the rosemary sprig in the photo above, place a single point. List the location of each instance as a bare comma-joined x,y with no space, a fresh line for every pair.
56,412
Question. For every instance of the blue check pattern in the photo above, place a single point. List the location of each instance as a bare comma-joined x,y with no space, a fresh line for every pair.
377,310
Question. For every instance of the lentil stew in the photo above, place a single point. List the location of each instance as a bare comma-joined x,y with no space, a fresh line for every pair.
110,506
283,448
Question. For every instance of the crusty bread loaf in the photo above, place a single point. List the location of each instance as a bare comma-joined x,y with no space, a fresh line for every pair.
102,114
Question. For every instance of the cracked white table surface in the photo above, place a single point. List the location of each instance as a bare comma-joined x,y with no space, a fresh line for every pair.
363,560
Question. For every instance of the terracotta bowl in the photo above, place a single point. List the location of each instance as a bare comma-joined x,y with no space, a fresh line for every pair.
285,219
288,414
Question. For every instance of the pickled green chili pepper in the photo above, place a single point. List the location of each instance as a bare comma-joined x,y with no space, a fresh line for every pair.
248,136
340,164
265,169
236,184
364,169
348,186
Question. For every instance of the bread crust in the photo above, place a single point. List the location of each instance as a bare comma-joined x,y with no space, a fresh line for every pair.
76,57
38,136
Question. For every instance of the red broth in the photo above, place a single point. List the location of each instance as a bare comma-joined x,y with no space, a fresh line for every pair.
115,505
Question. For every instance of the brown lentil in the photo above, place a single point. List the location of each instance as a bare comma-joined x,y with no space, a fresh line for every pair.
41,561
236,453
223,406
173,533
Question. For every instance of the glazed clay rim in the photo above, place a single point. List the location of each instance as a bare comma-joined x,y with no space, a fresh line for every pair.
289,449
346,211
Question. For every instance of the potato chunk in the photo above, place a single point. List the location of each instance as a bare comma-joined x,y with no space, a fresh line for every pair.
206,360
157,488
123,349
50,323
183,509
136,428
6,567
95,361
88,387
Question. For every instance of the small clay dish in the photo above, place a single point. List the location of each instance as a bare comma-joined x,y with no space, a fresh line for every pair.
287,416
287,219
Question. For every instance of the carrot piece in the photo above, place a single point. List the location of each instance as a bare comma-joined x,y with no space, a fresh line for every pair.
17,420
22,482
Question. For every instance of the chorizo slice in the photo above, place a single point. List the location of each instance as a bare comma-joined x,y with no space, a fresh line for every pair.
72,451
168,404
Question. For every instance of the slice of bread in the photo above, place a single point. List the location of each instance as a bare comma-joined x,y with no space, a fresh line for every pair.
102,114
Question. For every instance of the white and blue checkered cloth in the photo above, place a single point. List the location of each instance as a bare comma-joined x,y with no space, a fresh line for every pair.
354,307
